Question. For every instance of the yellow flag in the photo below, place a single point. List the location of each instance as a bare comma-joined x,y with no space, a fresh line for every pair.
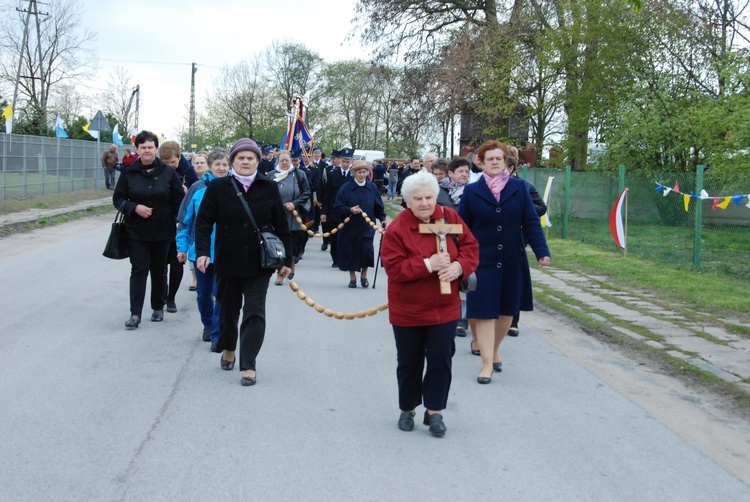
725,203
8,116
686,198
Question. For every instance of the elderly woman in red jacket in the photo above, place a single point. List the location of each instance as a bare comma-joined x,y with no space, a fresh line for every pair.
423,311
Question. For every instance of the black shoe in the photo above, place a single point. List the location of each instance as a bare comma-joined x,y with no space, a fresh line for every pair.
484,380
406,421
474,351
227,365
157,316
435,421
171,306
193,288
206,334
334,265
512,331
352,284
133,322
460,331
215,345
247,381
324,246
497,367
365,283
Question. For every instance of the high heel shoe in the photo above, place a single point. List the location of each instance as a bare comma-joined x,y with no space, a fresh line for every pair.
473,350
227,365
406,421
484,380
435,421
497,367
133,322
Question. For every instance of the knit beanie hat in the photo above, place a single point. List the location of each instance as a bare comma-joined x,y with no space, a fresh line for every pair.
242,145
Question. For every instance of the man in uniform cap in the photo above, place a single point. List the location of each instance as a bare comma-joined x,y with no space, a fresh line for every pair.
267,163
337,176
317,167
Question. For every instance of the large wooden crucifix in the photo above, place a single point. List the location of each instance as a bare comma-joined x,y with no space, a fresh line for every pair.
441,229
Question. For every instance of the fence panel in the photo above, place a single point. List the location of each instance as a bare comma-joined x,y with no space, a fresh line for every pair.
31,166
659,227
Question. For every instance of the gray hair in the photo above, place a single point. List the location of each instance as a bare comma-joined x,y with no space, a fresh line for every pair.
417,182
216,154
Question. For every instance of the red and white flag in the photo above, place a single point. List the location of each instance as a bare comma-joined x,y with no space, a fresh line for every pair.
615,221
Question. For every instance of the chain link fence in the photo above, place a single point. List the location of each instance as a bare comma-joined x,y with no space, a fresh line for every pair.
659,227
31,166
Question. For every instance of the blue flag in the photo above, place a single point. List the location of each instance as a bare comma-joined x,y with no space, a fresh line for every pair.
59,128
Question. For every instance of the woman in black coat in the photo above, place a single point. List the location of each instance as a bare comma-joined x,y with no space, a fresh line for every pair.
149,194
241,281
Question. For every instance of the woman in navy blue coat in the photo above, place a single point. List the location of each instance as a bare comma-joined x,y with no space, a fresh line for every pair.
500,214
355,239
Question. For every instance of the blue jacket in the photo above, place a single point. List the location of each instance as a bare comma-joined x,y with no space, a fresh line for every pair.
185,238
502,230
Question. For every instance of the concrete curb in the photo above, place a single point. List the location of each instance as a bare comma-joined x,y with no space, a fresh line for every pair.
33,215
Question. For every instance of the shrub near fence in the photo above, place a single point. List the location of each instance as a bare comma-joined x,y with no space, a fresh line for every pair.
31,166
659,228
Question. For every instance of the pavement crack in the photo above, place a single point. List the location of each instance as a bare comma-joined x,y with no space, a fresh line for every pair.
133,464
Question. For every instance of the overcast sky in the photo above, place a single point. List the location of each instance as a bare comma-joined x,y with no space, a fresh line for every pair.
157,40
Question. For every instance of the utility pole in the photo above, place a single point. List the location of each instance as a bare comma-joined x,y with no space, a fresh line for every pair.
193,145
29,11
20,56
42,96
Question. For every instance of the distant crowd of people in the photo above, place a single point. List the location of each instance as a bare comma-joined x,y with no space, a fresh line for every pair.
455,257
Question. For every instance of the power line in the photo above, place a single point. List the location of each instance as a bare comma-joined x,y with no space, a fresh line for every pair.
158,62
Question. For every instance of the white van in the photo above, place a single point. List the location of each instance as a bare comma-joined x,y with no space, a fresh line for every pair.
368,155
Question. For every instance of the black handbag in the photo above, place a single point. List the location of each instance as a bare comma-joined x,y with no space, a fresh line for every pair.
117,244
272,252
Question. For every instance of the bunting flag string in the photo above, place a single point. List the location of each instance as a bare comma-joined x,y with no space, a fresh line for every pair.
720,202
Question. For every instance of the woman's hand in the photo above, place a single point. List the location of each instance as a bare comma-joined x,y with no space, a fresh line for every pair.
182,257
356,210
451,272
289,206
284,271
143,211
439,261
544,261
202,263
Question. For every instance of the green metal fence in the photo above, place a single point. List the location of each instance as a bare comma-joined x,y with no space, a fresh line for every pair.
659,228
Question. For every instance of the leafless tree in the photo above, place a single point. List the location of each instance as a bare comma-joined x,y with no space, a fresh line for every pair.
117,98
293,69
66,55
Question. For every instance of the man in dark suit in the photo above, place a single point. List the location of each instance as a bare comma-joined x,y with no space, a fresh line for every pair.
267,163
316,167
337,176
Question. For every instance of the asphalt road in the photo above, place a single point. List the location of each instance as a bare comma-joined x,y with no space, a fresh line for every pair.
91,411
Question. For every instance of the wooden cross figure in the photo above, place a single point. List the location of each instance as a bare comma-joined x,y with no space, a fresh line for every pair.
441,229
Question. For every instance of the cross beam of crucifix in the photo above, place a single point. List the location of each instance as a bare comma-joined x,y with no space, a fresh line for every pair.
441,229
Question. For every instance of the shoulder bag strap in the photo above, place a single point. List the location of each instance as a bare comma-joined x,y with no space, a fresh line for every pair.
247,210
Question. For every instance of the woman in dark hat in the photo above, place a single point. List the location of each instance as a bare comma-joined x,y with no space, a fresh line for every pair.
242,282
355,241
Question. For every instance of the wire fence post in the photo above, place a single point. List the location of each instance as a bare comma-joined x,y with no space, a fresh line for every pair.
698,218
566,209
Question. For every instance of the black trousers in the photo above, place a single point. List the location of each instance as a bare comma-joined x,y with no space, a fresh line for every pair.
147,257
231,293
176,270
333,239
414,345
